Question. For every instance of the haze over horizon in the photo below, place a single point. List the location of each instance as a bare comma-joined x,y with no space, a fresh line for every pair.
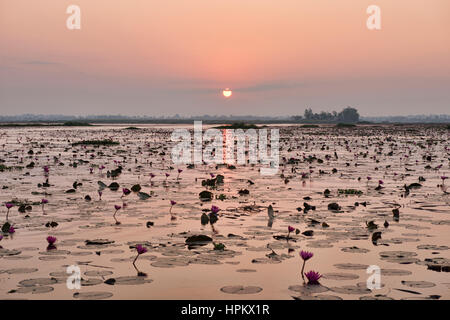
164,58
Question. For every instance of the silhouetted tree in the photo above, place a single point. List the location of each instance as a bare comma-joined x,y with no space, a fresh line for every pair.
349,115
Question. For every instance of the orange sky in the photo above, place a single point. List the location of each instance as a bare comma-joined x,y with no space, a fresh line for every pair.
165,57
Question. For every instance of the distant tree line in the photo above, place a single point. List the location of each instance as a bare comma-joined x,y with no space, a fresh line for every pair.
347,115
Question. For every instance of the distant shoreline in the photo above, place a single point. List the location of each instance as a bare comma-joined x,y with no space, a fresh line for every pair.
306,124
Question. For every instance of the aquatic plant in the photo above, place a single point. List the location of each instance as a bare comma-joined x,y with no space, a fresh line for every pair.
172,203
125,192
313,277
96,143
8,206
179,171
290,229
51,242
140,249
43,203
219,246
305,255
117,208
215,209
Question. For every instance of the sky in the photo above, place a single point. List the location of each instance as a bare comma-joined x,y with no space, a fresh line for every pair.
153,57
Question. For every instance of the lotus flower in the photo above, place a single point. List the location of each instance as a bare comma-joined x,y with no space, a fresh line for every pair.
125,192
8,206
100,194
215,209
305,255
117,207
313,277
172,203
11,230
140,250
290,229
44,202
51,240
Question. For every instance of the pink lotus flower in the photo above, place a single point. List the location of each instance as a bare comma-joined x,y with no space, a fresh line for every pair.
1,237
380,182
172,203
215,209
117,207
141,249
43,203
8,206
313,277
125,192
306,255
100,195
11,230
51,240
290,229
212,175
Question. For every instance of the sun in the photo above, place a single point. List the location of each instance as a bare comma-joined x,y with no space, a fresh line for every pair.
227,93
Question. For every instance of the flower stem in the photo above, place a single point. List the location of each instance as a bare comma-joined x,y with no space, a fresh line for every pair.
303,269
134,261
114,216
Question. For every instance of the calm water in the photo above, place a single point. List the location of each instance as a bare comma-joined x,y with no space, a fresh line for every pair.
252,258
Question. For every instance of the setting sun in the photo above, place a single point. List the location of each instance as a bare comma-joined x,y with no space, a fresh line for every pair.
227,93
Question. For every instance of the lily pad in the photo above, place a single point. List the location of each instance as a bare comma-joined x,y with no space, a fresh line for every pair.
418,284
340,276
94,295
241,289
